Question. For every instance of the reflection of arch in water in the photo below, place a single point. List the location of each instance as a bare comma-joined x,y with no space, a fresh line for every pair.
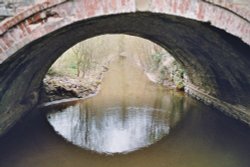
107,131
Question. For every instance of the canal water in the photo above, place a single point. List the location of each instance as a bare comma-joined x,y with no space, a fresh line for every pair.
131,122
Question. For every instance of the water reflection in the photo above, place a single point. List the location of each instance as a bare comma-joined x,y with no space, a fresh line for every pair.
114,130
127,114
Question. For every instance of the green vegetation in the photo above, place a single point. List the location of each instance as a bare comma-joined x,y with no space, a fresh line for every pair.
86,56
178,76
91,55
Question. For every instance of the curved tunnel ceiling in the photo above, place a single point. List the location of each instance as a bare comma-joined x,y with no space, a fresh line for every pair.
216,62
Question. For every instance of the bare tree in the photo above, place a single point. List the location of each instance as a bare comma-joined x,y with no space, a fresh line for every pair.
83,57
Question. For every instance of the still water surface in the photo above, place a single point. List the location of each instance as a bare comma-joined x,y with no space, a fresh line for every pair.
114,130
149,125
128,113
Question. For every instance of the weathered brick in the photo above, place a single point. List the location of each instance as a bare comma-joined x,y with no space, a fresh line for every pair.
208,10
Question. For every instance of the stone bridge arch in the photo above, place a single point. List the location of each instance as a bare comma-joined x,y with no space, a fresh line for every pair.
217,63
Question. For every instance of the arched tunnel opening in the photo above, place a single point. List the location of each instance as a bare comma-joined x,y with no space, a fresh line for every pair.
216,63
